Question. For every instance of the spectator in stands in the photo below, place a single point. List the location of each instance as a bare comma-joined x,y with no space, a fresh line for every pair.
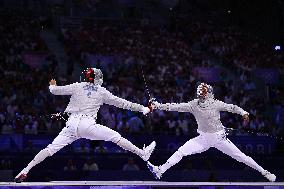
6,128
135,125
31,128
101,149
71,166
130,166
90,165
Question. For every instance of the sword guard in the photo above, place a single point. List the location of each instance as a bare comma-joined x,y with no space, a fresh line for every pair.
150,103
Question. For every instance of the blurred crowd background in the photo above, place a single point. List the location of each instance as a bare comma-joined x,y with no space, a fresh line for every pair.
236,46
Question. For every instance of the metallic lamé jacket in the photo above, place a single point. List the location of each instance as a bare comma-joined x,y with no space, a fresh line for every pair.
87,98
207,117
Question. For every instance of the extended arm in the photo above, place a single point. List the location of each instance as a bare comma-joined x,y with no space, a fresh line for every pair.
61,90
181,107
111,99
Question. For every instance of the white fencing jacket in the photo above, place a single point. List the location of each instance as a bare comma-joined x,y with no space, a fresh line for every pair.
86,98
207,117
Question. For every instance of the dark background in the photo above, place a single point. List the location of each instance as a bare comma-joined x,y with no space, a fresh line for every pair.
230,44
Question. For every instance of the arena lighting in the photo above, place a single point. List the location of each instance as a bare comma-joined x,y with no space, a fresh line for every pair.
277,47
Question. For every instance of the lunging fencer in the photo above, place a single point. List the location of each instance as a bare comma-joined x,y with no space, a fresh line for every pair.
206,110
86,99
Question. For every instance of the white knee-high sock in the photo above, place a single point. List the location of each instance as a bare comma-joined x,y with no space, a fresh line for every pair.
127,145
174,159
37,159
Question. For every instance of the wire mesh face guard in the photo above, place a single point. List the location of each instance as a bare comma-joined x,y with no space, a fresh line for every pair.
204,91
93,75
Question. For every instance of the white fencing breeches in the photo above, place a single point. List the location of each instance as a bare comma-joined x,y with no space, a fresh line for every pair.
205,141
82,127
86,127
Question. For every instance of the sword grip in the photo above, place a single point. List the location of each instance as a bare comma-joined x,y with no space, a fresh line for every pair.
150,104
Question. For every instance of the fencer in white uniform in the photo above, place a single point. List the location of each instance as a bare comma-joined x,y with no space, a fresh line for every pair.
86,99
206,111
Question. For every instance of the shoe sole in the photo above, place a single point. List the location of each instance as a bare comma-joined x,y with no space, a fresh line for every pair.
273,179
20,179
152,171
